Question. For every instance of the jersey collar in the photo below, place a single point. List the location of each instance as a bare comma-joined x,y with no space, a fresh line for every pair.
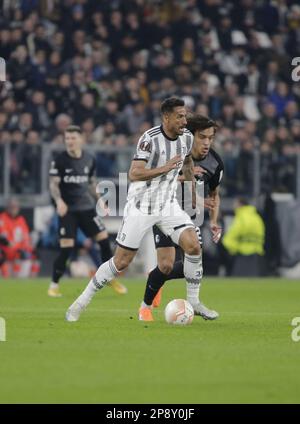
165,135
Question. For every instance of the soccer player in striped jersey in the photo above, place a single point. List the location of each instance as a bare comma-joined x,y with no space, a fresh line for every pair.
209,170
161,154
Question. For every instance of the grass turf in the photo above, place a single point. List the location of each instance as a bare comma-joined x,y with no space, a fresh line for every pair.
247,356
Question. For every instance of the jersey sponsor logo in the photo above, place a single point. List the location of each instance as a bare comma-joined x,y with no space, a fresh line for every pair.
76,179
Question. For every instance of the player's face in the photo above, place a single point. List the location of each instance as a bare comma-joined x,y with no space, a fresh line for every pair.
73,142
203,140
176,120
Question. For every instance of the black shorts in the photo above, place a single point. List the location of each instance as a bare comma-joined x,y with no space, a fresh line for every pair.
161,240
88,221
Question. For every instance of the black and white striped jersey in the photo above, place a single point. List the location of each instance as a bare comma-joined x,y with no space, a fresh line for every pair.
156,148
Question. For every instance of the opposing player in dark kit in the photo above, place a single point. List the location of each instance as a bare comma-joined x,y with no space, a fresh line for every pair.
73,188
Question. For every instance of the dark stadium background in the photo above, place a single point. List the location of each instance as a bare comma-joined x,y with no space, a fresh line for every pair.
106,65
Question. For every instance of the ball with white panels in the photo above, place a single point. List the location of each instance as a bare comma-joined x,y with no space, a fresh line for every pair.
179,312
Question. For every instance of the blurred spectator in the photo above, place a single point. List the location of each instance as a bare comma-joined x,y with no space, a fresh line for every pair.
244,239
36,106
31,169
18,258
280,97
107,65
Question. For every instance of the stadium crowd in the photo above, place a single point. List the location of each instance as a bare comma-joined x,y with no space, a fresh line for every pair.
106,65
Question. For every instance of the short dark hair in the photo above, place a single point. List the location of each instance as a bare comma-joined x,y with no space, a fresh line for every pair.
170,103
200,122
73,128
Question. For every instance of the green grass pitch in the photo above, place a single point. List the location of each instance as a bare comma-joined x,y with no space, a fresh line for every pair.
247,356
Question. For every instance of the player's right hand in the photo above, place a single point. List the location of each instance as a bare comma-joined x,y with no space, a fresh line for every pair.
173,163
199,171
61,208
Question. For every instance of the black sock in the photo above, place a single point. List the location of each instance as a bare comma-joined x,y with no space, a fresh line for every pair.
106,252
156,279
60,262
177,271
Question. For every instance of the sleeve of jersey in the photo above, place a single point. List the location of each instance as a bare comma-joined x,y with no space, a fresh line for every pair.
143,148
216,179
93,169
54,170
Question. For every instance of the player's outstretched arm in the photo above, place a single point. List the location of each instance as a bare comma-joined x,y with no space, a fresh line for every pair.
139,172
61,207
214,214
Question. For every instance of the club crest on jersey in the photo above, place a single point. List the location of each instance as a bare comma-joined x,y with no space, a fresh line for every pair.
86,169
184,150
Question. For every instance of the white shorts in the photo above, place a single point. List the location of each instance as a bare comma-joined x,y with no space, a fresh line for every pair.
172,221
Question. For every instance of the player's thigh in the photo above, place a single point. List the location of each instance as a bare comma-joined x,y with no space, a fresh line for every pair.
189,242
123,257
92,225
174,224
67,228
161,239
133,228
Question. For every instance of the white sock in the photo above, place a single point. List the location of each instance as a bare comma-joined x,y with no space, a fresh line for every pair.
193,274
105,273
53,285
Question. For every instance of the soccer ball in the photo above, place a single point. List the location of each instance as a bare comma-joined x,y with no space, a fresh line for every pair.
179,311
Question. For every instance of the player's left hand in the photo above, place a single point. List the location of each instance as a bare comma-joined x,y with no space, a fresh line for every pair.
216,232
199,171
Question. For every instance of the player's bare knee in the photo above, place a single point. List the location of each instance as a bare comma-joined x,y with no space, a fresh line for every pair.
123,258
166,267
193,248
